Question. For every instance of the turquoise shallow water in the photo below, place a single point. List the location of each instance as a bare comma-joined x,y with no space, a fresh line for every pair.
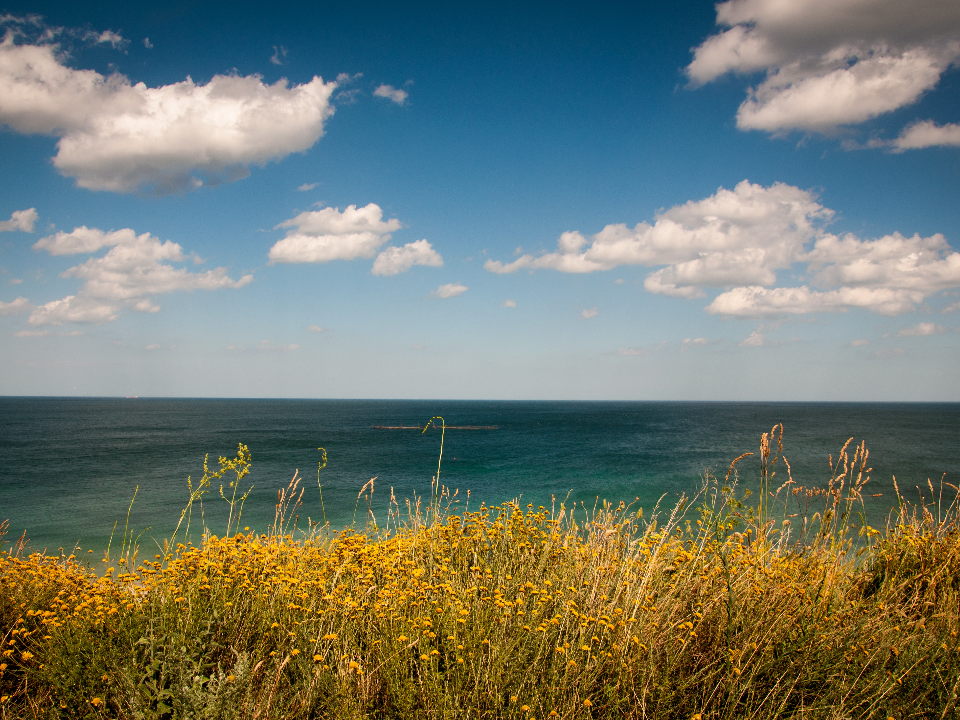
69,466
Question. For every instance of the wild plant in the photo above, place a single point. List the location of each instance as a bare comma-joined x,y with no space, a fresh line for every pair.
731,606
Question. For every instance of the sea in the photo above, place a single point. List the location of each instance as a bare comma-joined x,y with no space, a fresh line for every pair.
76,472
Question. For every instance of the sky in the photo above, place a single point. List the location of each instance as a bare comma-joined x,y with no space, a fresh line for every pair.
754,200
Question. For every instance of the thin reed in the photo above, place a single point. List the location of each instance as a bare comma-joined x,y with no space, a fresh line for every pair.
784,606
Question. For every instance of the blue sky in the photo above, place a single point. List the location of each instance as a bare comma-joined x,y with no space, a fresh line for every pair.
754,200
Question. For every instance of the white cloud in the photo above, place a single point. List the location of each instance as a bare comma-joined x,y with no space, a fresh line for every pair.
84,240
508,304
734,236
589,313
134,269
74,308
756,301
756,339
15,307
152,347
396,260
119,136
147,44
693,342
922,265
928,134
829,62
741,239
320,236
317,329
391,93
20,220
307,186
107,37
15,281
449,290
920,329
860,342
279,55
889,352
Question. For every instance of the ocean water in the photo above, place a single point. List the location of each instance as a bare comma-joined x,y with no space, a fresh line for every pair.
69,467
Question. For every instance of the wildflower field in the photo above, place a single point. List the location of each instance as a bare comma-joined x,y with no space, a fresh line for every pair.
779,604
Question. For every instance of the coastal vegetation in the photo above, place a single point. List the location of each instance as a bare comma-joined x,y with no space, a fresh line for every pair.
782,603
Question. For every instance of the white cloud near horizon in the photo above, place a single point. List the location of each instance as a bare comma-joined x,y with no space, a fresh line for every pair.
449,290
123,137
922,329
395,260
136,268
320,236
389,92
693,342
829,63
740,239
23,220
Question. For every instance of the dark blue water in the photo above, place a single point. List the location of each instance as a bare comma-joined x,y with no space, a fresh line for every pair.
69,466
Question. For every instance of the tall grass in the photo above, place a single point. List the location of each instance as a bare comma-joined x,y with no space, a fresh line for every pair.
725,606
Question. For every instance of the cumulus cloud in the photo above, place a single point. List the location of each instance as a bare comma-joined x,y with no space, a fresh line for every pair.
20,220
391,93
734,236
396,260
449,290
928,134
508,304
917,264
756,339
889,352
920,329
307,186
15,307
693,342
152,347
119,136
319,236
859,342
317,329
589,313
829,63
136,268
740,239
753,302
